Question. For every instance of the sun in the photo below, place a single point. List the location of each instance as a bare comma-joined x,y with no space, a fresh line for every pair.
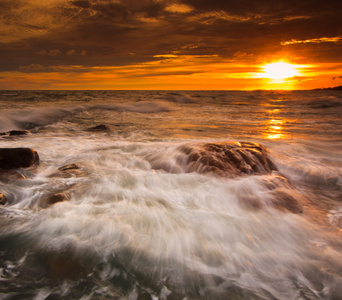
280,70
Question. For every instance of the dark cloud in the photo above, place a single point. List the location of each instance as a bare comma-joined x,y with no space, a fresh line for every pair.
268,7
106,33
81,3
32,68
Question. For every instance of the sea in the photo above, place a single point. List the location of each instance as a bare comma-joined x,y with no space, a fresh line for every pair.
130,230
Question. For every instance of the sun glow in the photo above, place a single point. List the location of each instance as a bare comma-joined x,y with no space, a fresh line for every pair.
280,70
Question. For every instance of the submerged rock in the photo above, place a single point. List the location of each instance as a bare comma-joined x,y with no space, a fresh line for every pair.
276,192
62,266
283,194
70,170
68,167
3,199
284,201
13,158
55,198
8,176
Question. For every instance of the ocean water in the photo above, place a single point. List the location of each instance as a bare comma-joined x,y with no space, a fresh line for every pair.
140,224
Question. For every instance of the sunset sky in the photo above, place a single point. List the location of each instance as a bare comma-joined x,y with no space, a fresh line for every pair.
170,45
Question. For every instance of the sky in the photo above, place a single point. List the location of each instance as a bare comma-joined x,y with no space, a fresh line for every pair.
170,45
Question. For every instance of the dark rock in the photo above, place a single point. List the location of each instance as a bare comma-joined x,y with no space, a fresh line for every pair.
101,127
8,176
55,198
3,199
13,158
18,132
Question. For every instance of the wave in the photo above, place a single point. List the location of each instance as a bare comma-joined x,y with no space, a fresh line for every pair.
34,117
331,102
132,229
178,98
315,164
140,107
162,218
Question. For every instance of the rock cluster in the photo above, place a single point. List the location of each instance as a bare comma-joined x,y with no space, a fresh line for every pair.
13,160
225,159
229,160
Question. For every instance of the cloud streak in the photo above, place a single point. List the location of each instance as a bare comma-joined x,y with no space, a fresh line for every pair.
336,39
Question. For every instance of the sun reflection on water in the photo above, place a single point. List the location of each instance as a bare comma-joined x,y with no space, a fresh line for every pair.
274,129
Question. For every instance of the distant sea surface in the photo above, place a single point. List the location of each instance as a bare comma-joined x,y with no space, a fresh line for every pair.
139,223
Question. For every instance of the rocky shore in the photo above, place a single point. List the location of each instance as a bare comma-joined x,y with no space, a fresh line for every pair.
224,159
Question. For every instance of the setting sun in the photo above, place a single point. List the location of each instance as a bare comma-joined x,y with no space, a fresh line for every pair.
280,70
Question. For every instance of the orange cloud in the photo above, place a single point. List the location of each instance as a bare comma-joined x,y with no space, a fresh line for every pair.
169,72
315,41
179,8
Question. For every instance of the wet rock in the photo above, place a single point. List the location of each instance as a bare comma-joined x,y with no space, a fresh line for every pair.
232,159
227,159
8,176
70,170
68,167
101,127
61,266
55,198
13,158
3,199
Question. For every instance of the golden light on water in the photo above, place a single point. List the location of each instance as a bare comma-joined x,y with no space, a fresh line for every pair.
274,129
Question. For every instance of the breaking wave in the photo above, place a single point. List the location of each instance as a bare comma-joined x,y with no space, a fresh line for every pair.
34,117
